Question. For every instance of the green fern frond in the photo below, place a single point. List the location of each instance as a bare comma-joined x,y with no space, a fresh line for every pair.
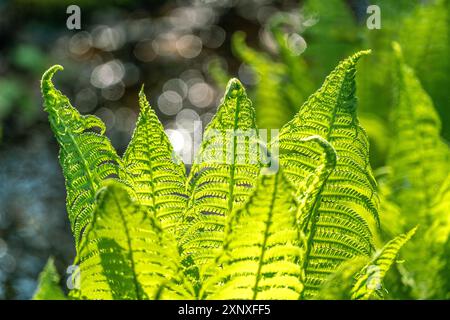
418,156
48,284
222,176
443,286
361,277
419,161
370,277
86,157
158,176
437,254
439,231
262,254
126,254
347,205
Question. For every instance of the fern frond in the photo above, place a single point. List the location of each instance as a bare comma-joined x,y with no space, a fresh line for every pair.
443,286
262,254
48,284
370,277
347,205
158,176
222,176
361,277
418,157
86,157
126,254
419,161
440,229
437,254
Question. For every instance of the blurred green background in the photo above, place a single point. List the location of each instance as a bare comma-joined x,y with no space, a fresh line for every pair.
183,51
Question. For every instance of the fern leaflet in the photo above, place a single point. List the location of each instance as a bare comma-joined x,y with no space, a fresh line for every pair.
262,249
48,286
86,157
126,254
157,175
222,176
376,269
347,208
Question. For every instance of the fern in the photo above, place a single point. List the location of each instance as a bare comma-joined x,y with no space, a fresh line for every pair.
126,254
86,156
418,155
348,203
48,286
339,285
369,278
262,249
361,277
419,164
222,176
437,250
233,229
157,174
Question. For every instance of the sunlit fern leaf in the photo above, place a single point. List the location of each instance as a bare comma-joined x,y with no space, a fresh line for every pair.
262,252
443,287
86,157
222,176
311,187
48,284
346,212
257,234
419,159
362,277
126,254
157,174
370,277
437,240
393,222
440,228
